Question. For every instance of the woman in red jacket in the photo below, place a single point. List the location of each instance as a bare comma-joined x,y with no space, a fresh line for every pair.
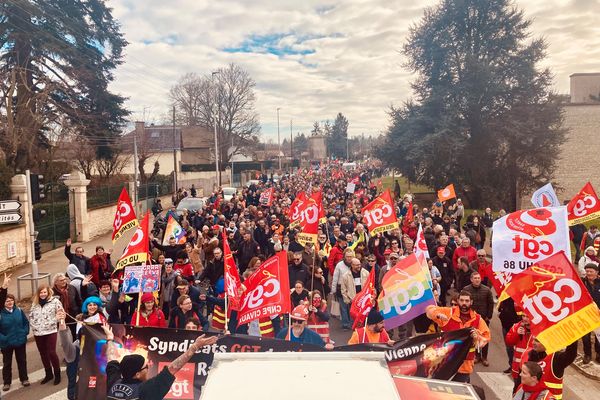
150,314
100,265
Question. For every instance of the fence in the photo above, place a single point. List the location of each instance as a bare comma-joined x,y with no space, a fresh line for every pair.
52,217
103,196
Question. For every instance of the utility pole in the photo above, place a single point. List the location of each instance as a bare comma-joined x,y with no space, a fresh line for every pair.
231,180
174,154
278,140
347,140
218,180
135,173
291,149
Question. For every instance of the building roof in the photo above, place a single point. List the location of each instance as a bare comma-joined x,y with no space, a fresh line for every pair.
197,137
159,139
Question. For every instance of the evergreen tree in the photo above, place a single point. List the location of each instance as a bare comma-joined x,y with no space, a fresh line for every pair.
56,62
337,140
483,115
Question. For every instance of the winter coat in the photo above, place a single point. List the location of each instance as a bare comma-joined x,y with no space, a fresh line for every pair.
348,287
43,318
100,268
155,319
14,327
482,300
76,278
74,299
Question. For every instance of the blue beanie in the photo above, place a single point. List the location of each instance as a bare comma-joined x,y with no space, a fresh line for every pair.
92,299
220,286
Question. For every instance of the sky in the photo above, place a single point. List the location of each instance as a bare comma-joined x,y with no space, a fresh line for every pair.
312,59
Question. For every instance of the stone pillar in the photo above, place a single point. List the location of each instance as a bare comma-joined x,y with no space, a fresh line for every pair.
18,187
77,184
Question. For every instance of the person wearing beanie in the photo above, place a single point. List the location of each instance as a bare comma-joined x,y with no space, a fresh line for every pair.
150,314
374,331
128,379
93,312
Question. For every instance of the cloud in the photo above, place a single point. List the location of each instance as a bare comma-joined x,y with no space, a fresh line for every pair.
312,58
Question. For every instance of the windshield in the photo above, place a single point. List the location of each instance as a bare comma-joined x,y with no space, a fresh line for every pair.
190,204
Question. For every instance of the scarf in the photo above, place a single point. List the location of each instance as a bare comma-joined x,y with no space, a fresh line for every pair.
64,297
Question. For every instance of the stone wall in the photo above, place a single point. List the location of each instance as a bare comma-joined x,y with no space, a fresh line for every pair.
101,219
14,234
578,159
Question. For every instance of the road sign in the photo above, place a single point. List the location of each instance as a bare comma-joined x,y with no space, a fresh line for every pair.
10,218
9,205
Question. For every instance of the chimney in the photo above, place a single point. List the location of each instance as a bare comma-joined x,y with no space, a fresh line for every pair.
584,86
139,128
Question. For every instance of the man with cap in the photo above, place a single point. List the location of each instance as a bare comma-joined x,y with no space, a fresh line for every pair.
128,379
592,283
299,333
374,331
444,265
336,286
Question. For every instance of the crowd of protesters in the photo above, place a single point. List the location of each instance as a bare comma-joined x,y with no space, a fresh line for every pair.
324,279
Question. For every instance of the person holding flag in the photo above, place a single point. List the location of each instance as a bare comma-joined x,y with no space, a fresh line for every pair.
374,332
299,332
459,317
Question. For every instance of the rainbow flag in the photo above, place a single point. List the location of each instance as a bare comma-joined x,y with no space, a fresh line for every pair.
406,292
173,229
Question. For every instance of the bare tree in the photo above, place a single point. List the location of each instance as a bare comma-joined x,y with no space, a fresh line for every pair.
114,165
185,96
226,99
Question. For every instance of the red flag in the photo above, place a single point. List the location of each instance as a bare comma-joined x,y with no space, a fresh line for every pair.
266,198
231,275
267,290
559,306
309,219
410,215
296,209
584,207
363,301
355,180
379,183
379,214
125,218
139,246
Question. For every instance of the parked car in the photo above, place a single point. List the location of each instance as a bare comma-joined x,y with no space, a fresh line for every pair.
192,204
229,193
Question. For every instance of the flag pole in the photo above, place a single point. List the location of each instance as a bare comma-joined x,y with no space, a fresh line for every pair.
365,328
226,301
137,317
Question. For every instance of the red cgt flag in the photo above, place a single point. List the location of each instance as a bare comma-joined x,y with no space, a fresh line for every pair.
363,301
266,198
310,215
584,207
379,214
267,290
296,209
559,306
138,248
231,276
125,218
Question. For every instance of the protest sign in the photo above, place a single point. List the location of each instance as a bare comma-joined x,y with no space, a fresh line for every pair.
437,355
141,278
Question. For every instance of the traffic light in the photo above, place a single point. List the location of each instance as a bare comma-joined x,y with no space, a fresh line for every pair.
37,188
37,246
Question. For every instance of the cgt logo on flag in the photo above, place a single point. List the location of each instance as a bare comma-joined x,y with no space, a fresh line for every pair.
560,308
379,214
584,207
523,237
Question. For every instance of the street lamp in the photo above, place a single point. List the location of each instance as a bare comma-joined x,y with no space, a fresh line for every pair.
278,140
218,178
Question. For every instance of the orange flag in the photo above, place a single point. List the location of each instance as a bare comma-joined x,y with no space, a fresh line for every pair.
447,193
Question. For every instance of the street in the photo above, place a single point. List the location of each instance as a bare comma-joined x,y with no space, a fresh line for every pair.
497,385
